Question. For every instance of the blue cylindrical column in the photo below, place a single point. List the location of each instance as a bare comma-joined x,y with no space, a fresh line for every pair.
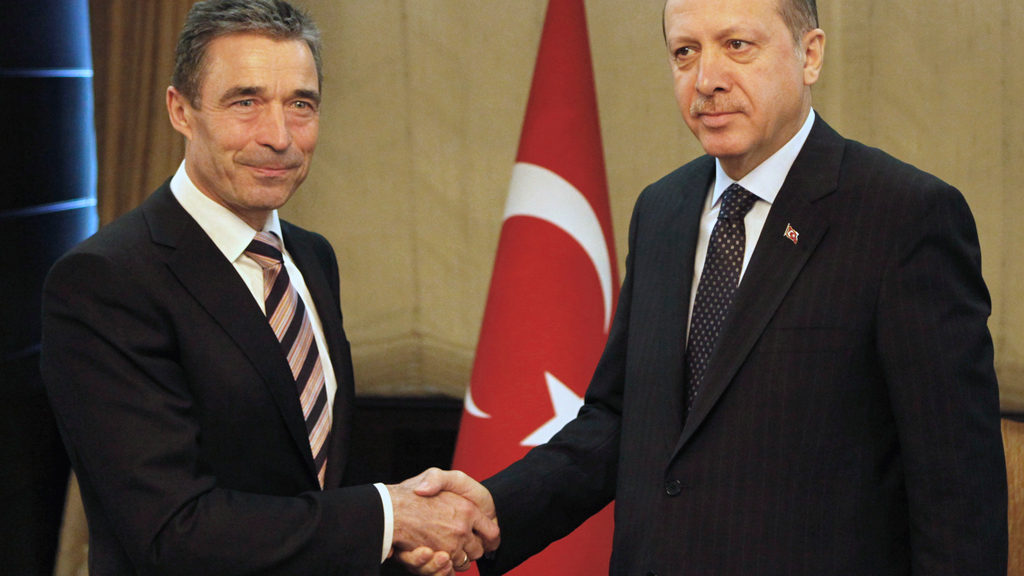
47,205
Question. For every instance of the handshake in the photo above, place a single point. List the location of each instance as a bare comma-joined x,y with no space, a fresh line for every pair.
442,522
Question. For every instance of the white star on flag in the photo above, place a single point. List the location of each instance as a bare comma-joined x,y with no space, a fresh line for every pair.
566,404
552,295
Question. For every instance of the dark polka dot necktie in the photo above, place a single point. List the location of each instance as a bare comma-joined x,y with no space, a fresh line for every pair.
718,282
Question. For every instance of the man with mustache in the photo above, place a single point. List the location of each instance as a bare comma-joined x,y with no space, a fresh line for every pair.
194,353
799,377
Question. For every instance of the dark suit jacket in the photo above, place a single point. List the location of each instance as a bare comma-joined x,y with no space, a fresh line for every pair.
848,422
180,413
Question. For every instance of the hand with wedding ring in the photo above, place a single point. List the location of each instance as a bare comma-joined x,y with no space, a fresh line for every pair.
464,564
443,522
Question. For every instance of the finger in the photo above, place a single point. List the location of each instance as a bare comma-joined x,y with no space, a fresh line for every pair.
440,564
463,564
414,558
432,481
473,549
417,479
424,561
435,480
465,486
488,532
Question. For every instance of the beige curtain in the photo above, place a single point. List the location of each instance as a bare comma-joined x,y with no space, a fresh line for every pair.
133,56
423,104
424,101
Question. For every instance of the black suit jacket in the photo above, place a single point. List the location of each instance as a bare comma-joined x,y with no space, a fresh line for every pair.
180,413
848,422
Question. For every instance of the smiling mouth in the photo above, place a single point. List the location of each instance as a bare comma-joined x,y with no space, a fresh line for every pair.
271,170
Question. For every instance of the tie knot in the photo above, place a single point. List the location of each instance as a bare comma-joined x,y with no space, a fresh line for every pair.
265,249
736,202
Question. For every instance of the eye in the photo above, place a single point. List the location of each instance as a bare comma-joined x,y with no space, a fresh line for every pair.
304,106
683,54
684,51
247,103
737,44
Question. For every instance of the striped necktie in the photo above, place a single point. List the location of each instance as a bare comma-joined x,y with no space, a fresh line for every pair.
718,283
291,324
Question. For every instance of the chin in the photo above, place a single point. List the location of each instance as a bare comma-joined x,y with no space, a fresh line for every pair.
721,150
268,200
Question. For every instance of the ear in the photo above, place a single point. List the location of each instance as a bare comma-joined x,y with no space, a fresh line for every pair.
180,111
813,45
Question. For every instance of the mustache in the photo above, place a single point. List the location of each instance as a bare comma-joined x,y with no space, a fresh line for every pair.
713,105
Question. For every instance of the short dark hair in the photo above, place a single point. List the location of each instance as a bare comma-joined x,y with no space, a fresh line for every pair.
800,16
211,19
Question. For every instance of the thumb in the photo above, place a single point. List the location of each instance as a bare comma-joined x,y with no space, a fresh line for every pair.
432,482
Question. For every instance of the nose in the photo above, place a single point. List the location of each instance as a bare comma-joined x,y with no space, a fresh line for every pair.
712,75
273,130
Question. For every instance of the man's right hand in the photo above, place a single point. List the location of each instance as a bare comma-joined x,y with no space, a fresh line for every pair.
438,513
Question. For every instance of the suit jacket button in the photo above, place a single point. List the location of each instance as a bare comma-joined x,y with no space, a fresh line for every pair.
673,487
649,573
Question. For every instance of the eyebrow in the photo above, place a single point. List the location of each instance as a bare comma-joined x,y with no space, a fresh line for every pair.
243,91
731,31
734,31
260,90
307,94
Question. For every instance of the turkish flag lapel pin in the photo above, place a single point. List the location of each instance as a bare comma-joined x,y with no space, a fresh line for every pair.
791,233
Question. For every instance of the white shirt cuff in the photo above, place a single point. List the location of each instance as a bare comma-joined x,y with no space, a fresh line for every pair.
389,520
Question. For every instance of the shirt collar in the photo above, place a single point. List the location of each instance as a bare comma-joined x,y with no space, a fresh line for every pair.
767,178
229,233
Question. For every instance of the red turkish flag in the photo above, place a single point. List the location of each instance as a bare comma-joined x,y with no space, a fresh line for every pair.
554,286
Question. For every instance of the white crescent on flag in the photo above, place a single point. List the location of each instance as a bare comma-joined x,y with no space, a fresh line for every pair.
539,192
471,406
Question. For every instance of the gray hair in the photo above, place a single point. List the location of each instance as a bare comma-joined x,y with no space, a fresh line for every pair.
800,16
211,19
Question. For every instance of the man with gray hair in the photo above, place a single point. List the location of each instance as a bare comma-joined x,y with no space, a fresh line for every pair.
194,353
798,379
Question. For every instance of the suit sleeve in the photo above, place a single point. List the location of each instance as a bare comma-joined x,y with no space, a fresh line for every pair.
129,420
937,355
559,485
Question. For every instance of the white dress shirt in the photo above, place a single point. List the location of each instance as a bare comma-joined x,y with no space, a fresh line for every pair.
764,181
232,236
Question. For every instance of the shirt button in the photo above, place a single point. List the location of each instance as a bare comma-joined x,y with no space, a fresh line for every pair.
673,487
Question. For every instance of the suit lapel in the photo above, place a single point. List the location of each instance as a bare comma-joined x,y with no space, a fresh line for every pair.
774,265
213,282
682,224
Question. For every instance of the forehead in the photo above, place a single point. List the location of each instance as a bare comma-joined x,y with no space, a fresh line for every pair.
710,16
259,61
